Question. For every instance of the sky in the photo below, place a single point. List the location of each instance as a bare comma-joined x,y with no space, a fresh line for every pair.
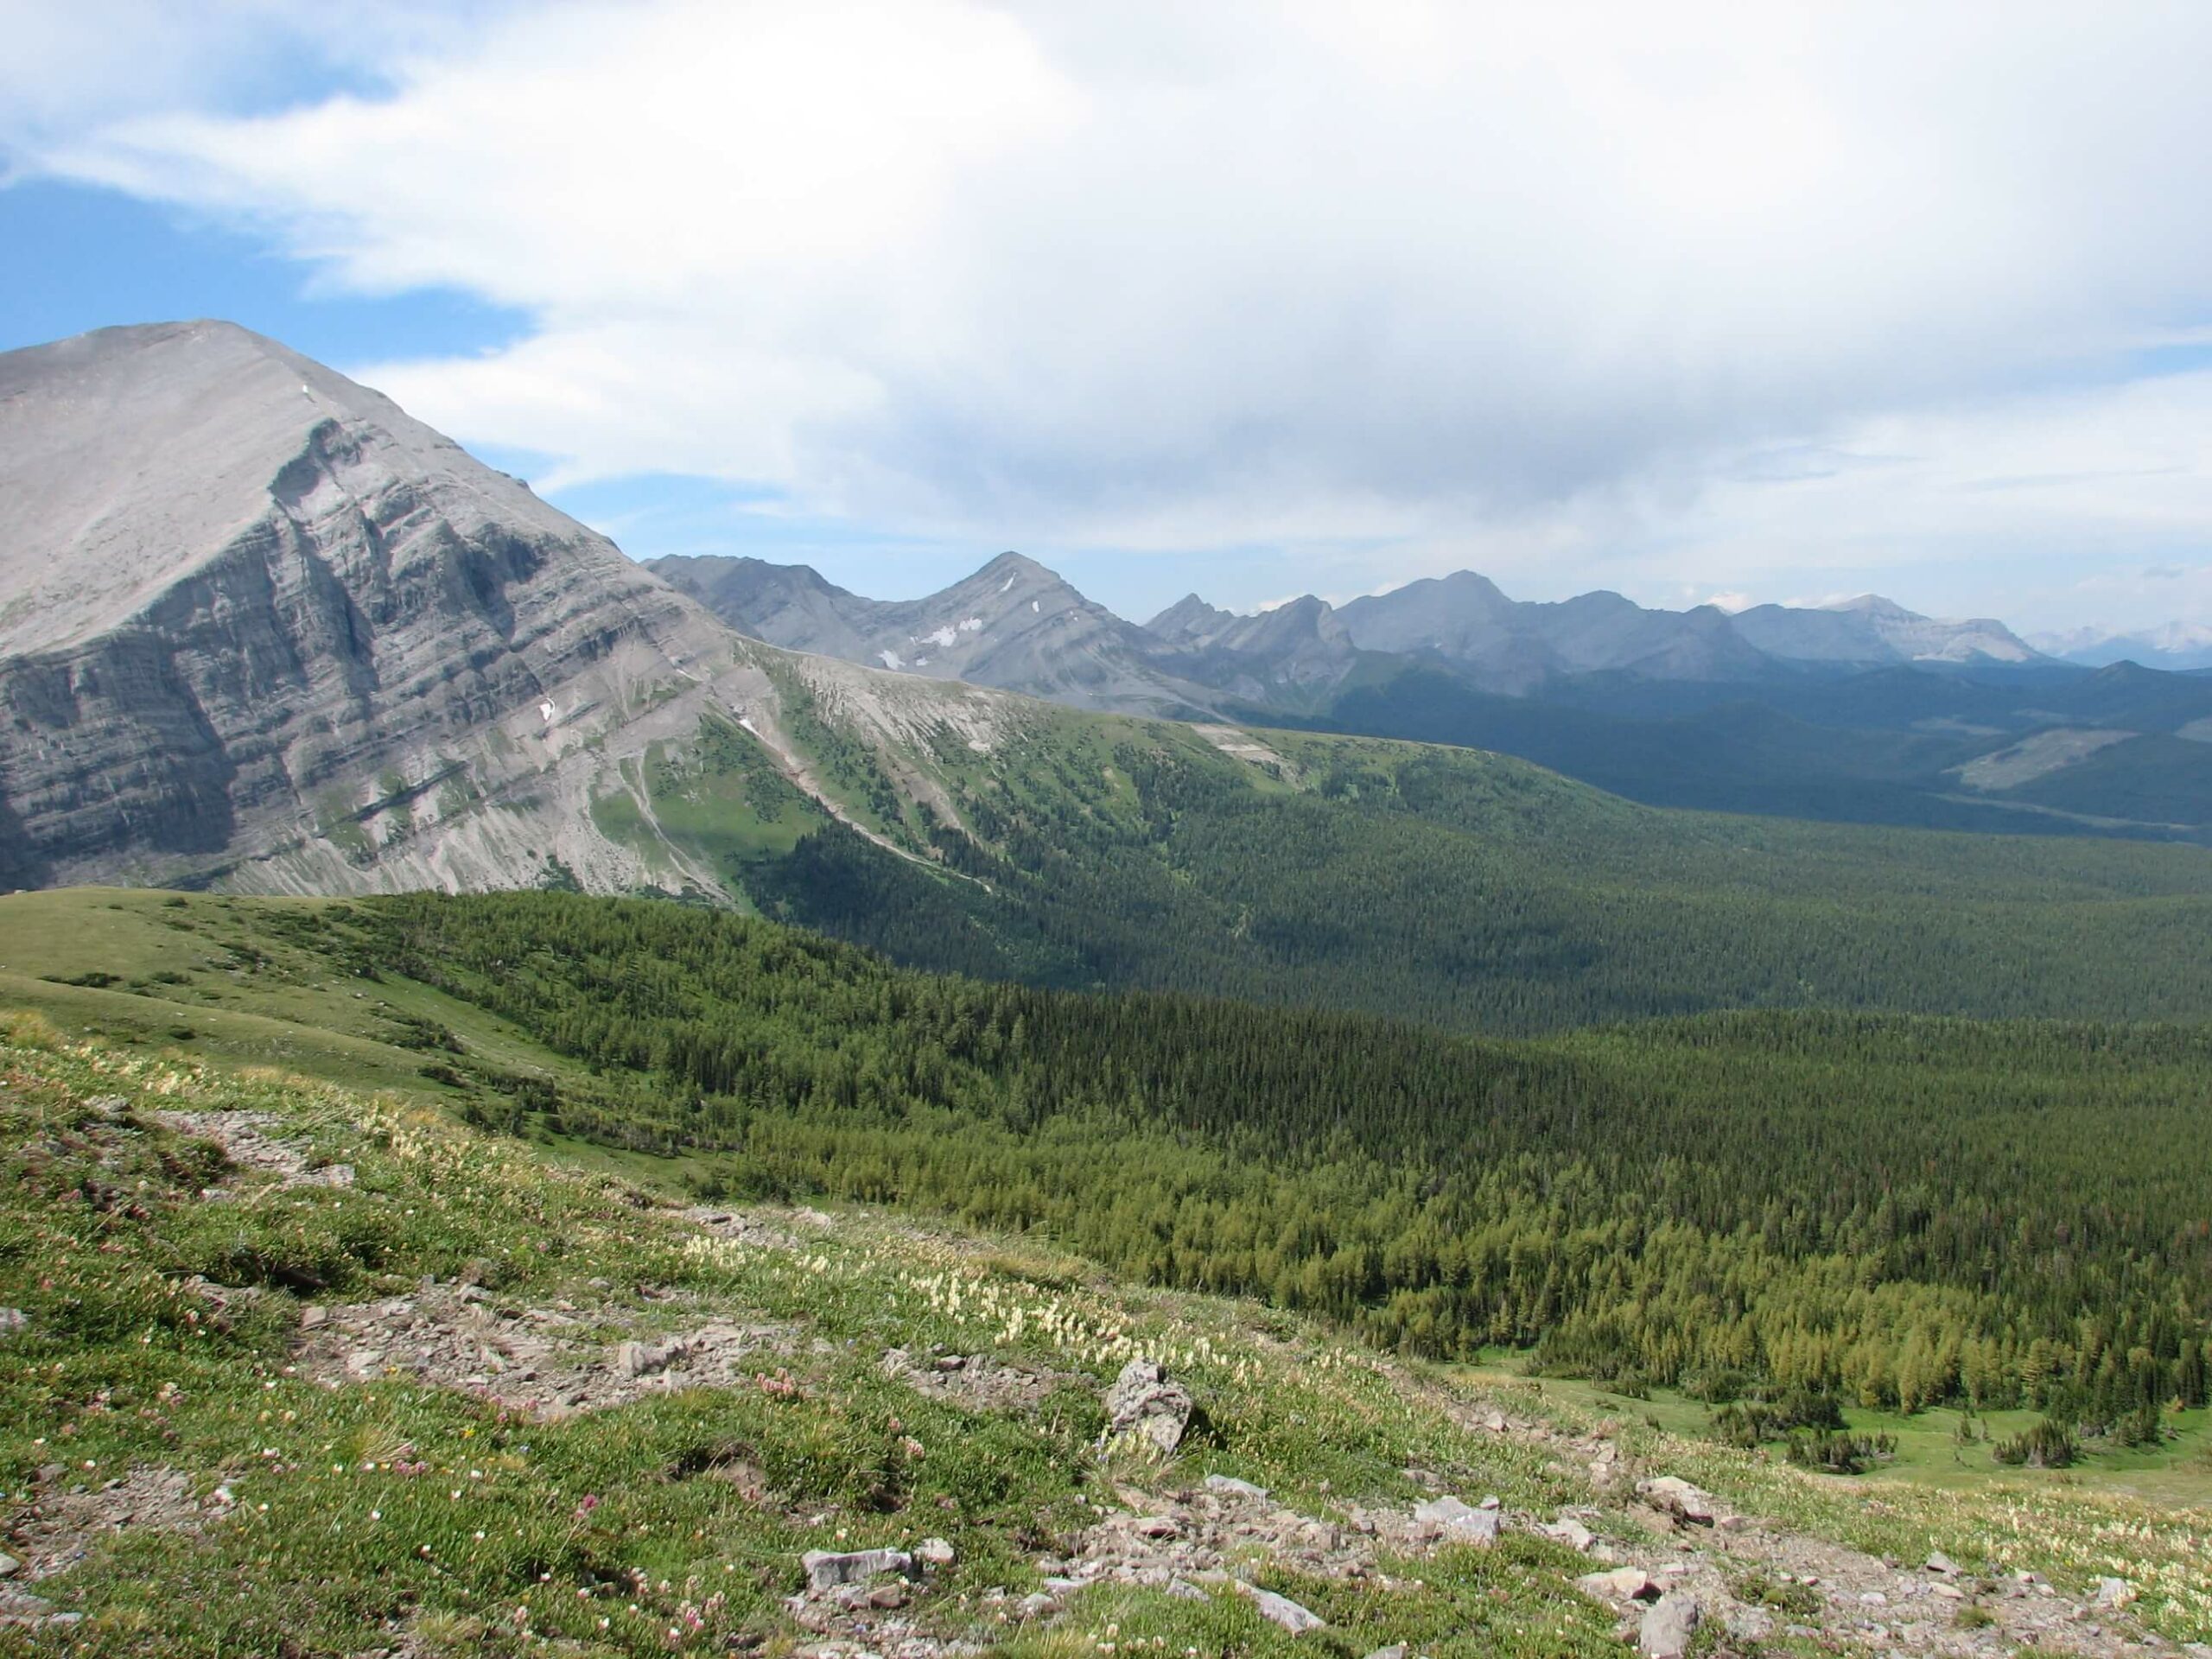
1693,301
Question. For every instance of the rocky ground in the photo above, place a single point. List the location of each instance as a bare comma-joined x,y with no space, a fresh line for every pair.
1678,1569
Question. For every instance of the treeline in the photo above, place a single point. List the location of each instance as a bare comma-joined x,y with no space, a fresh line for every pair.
1907,1211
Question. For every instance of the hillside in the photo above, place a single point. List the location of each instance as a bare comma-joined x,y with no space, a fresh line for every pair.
1982,1183
483,1399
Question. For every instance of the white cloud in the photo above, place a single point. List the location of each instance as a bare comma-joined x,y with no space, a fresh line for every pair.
1584,293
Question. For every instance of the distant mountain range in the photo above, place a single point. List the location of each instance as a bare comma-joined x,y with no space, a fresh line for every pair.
1016,625
1859,711
2184,646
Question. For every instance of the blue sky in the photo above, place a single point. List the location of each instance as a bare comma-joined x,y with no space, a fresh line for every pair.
1690,302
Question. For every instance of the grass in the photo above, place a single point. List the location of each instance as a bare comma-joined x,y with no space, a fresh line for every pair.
436,1515
1929,1450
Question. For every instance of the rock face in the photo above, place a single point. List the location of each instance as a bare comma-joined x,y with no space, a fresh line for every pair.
248,605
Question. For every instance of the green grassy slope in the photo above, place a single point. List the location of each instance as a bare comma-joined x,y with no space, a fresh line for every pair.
1462,888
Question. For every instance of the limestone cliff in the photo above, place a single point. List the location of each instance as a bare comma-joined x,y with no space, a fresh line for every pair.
260,629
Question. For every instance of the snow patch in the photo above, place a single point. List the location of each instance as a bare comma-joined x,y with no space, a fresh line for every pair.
1036,605
547,708
971,625
1008,583
891,659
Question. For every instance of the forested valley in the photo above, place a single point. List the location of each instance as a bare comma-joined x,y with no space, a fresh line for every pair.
1898,1210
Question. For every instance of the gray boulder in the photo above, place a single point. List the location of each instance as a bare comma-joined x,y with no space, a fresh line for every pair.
826,1570
1669,1627
1282,1610
1459,1523
1145,1404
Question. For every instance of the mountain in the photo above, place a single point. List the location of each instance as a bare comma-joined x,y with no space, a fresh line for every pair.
1291,655
2179,646
260,628
1196,659
1189,622
347,658
786,605
1871,629
1013,624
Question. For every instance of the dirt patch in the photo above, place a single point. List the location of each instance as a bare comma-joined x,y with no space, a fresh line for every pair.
67,1517
547,1361
2032,757
243,1139
975,1381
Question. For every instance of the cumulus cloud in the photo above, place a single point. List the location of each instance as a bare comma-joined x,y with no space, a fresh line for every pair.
1691,293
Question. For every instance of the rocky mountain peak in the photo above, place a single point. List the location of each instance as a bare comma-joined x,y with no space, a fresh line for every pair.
246,604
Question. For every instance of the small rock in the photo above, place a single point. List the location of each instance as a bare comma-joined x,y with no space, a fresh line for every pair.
1621,1584
12,1319
313,1318
9,1566
1229,1486
1282,1610
1570,1532
826,1570
1155,1526
1145,1403
1458,1523
645,1358
1395,1651
1035,1604
2112,1593
1184,1590
951,1362
1675,1496
1948,1591
934,1552
1669,1627
1736,1523
1939,1562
